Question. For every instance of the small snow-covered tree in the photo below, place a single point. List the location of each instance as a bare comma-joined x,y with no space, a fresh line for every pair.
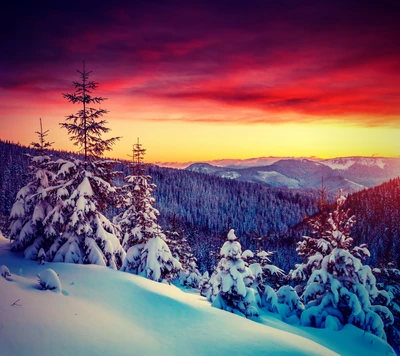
267,278
29,229
84,189
234,280
148,254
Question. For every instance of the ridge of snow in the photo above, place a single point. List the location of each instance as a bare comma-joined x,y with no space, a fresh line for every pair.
103,311
345,163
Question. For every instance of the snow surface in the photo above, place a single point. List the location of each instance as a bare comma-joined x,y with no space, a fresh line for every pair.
103,311
230,175
278,179
346,162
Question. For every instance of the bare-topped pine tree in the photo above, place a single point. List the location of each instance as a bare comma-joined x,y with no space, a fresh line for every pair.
138,153
85,190
142,237
83,127
42,145
29,229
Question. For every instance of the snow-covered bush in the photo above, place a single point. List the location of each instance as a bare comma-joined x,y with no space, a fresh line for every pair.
5,272
234,280
48,279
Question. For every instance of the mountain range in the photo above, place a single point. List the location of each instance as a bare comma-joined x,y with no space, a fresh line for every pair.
348,173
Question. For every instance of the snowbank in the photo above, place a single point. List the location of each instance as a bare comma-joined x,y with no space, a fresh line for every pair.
103,311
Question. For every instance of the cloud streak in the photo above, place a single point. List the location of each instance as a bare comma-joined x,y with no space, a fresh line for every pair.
277,61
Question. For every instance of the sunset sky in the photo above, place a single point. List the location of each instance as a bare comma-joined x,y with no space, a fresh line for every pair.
210,79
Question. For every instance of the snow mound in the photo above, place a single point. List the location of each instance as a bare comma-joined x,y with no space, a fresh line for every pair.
109,312
4,271
48,279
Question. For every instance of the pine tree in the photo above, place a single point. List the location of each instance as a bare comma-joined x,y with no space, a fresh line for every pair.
234,281
330,230
148,254
29,229
84,187
86,126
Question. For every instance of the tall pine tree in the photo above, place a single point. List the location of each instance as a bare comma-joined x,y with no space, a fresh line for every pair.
84,186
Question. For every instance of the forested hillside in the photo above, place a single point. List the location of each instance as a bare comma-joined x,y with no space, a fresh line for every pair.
204,207
377,216
200,206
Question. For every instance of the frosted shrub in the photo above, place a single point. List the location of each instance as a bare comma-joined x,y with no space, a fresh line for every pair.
48,279
5,272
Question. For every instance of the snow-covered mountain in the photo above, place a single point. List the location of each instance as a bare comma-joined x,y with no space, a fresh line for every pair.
101,311
347,173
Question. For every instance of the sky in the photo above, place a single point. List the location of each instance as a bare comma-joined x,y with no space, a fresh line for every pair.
203,80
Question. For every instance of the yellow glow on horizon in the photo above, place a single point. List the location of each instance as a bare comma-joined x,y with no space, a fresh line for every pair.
167,138
183,142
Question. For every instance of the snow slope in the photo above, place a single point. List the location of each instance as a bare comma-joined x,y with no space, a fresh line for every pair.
102,311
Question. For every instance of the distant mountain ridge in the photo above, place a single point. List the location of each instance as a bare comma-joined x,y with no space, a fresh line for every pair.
348,173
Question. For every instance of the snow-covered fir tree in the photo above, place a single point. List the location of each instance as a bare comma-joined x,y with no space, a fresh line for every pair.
340,288
148,254
234,281
267,278
330,230
29,230
84,189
